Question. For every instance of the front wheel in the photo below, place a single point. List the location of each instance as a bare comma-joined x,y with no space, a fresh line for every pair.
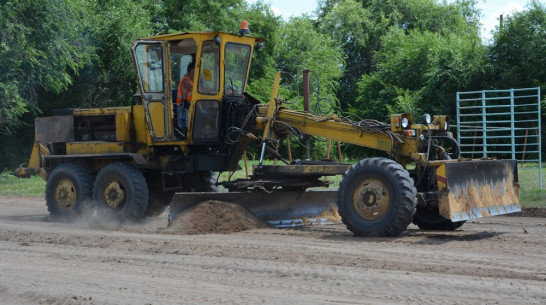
377,198
120,193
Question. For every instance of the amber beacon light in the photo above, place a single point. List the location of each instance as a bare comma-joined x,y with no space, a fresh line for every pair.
244,28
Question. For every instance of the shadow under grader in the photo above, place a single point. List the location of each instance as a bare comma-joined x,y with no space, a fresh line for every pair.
434,237
413,236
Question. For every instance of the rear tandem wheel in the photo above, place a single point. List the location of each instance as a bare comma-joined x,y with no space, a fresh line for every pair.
120,193
377,198
68,191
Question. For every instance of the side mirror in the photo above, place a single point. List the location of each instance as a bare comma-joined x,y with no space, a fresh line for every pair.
137,98
260,46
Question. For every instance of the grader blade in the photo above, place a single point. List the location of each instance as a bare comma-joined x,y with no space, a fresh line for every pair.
477,188
280,208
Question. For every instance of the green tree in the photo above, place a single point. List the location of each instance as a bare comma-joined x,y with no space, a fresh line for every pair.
43,45
264,24
420,72
201,15
517,53
109,79
299,46
360,27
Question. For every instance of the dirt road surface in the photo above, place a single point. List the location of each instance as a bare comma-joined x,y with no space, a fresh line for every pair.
498,260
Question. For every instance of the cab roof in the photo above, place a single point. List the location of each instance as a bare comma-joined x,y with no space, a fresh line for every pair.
175,36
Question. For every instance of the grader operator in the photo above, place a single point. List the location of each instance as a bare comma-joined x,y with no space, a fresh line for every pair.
129,162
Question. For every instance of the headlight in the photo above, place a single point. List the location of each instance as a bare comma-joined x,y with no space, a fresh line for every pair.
405,122
426,119
441,121
400,121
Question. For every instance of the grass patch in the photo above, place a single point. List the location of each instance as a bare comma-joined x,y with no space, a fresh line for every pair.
530,193
533,198
13,186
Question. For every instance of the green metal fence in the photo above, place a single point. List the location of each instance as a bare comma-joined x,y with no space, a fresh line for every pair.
504,124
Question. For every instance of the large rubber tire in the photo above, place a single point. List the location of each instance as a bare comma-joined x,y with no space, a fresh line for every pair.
430,219
120,193
68,192
377,198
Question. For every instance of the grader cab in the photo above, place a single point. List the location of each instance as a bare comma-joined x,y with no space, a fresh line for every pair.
128,162
221,69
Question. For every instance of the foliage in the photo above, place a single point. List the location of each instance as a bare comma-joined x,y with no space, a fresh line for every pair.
299,46
264,24
517,54
371,57
421,71
109,79
42,47
361,27
201,15
16,147
12,106
359,35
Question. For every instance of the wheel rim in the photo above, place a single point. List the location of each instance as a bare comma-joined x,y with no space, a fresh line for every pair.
65,194
371,199
114,195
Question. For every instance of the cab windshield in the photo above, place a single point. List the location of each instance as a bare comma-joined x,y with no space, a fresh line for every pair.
237,59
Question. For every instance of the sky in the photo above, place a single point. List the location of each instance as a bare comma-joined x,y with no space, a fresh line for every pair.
491,10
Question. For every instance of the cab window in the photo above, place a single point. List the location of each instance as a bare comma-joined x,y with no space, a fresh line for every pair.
182,53
209,80
150,67
237,59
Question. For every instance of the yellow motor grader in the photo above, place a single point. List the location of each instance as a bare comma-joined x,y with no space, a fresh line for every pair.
128,162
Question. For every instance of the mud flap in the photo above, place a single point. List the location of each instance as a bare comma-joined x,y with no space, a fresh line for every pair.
477,188
280,209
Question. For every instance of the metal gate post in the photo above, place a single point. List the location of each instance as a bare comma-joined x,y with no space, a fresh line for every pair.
458,118
484,125
539,141
512,124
